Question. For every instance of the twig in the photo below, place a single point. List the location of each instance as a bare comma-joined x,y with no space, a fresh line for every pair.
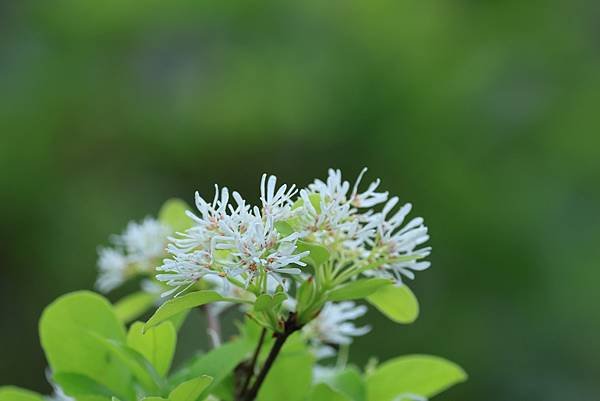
252,365
290,326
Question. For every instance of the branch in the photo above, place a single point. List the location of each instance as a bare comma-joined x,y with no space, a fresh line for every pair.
252,365
214,326
290,326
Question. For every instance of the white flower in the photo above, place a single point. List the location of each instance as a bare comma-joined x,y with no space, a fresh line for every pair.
332,327
145,241
256,247
112,265
276,205
234,241
135,251
396,240
330,212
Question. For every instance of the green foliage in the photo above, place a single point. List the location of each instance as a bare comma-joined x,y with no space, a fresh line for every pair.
191,390
322,392
416,374
172,214
349,382
357,289
157,344
217,363
10,393
291,376
134,305
69,332
78,385
318,254
397,303
185,302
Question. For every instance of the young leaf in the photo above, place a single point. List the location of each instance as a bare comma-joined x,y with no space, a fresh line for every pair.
185,302
217,363
157,345
191,389
65,333
348,382
424,375
284,228
318,254
134,305
77,385
322,392
263,302
141,369
10,393
397,303
357,289
172,214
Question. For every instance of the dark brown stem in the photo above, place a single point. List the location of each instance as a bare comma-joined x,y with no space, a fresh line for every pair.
252,365
290,326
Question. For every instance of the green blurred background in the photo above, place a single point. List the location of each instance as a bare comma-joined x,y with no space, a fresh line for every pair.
484,114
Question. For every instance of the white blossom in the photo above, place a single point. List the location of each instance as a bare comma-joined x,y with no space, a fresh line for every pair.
135,251
396,240
234,241
333,327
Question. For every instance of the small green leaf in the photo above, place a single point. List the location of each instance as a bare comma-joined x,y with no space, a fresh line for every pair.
322,392
10,393
284,228
348,382
154,399
318,254
141,369
191,389
357,289
263,302
397,303
68,330
217,363
75,385
185,302
134,305
172,214
157,345
424,375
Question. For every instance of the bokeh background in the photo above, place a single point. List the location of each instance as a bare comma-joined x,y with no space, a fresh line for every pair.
484,114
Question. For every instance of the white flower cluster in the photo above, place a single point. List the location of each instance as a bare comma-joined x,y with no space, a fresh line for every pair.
235,241
332,327
335,217
136,250
241,244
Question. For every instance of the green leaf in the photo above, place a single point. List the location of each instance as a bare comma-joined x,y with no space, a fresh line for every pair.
134,305
424,375
291,375
284,228
185,302
322,392
217,363
357,289
157,345
172,214
10,393
263,302
318,254
348,382
191,389
75,385
66,328
154,399
141,369
397,303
